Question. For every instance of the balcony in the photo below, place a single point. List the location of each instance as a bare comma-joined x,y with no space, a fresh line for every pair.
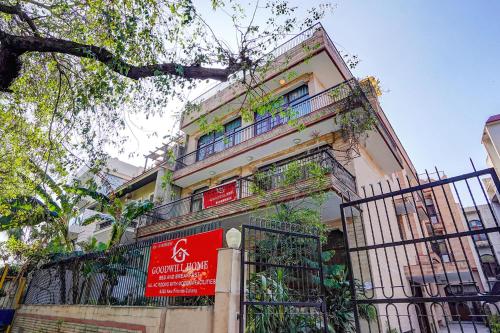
107,223
103,230
249,191
286,120
309,42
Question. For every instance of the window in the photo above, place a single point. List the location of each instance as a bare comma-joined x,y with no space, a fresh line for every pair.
335,243
431,210
266,121
211,143
441,249
197,199
232,133
477,225
230,179
489,264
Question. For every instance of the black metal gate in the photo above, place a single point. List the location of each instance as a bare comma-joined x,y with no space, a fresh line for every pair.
282,278
423,254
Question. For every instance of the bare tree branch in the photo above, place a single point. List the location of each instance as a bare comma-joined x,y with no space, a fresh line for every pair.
13,46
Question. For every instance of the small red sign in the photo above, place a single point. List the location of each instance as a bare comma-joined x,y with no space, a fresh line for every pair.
220,195
184,266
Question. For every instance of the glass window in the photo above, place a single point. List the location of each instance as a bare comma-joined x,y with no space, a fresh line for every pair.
267,121
477,225
230,179
211,143
197,199
233,135
335,243
205,148
296,100
441,249
489,264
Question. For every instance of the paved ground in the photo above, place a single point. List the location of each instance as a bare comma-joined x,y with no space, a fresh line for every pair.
466,328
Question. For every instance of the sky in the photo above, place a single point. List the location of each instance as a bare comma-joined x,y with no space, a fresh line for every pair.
439,67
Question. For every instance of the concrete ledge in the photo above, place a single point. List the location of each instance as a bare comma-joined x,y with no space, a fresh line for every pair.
112,319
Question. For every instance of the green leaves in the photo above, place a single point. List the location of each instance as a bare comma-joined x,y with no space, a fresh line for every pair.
135,209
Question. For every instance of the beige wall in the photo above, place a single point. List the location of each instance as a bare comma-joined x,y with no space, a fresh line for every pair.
491,142
142,193
90,318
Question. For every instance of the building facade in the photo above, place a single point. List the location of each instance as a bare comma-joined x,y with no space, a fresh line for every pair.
257,159
215,174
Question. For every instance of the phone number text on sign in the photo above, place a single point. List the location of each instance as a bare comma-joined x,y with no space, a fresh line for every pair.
184,266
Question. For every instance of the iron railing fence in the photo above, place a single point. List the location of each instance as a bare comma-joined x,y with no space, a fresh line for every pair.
275,52
265,180
106,224
281,278
418,276
114,277
283,115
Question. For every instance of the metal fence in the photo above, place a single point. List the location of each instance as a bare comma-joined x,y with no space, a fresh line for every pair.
417,252
115,277
282,278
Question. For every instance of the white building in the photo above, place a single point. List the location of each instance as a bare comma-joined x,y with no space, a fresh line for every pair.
115,174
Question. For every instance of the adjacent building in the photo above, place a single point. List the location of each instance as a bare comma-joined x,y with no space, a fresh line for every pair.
110,179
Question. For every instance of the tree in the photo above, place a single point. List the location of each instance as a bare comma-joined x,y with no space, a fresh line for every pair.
71,71
38,225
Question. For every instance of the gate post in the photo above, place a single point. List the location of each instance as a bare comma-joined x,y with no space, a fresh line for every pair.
227,291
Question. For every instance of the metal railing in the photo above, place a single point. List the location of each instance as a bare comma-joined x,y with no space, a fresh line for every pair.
108,223
114,277
276,52
418,274
281,279
281,116
264,180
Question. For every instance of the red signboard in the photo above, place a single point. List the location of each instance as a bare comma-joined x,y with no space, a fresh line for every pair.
220,195
184,266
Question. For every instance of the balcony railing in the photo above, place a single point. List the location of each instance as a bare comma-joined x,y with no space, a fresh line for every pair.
107,223
266,180
275,52
281,116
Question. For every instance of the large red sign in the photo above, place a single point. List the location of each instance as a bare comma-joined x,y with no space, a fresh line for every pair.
184,266
220,195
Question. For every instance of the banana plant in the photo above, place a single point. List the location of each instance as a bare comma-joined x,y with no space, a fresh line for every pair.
48,212
120,216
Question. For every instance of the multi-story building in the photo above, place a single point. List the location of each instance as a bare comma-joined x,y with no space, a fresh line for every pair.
215,174
487,215
488,245
239,171
317,86
114,176
446,266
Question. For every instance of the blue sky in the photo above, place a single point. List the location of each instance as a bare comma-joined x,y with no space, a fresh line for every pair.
439,63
